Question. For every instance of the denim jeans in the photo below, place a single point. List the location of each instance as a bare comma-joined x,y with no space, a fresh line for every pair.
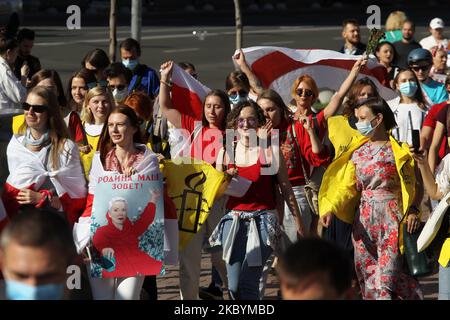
444,283
243,281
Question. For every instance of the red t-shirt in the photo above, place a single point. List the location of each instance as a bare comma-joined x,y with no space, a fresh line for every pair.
207,143
75,127
291,152
436,112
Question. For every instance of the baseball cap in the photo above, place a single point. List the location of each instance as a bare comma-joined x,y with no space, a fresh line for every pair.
436,23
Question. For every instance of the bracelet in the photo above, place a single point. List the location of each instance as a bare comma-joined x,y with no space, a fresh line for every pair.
166,83
414,209
47,196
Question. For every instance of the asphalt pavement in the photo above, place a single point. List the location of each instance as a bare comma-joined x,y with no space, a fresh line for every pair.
210,49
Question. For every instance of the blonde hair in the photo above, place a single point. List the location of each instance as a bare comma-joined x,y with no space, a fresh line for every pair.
395,20
86,113
57,128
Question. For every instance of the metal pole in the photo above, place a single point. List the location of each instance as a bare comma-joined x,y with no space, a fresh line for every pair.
136,19
113,31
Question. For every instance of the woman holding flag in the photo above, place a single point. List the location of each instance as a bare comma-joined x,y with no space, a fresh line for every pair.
205,139
43,162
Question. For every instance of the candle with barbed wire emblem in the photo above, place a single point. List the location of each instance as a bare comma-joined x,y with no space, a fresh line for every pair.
191,203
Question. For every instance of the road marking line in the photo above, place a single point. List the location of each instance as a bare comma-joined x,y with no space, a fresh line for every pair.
275,43
181,50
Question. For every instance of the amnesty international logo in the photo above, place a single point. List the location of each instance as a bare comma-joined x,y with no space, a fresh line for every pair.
192,188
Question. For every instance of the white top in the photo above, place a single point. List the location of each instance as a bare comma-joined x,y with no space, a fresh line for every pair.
93,130
443,175
12,92
403,131
430,42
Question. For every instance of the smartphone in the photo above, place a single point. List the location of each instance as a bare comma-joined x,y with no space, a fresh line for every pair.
416,140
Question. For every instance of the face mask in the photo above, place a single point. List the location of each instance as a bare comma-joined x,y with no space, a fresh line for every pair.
118,95
16,290
235,99
130,64
365,128
408,89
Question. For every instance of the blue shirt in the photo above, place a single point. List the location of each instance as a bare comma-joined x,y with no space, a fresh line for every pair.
435,91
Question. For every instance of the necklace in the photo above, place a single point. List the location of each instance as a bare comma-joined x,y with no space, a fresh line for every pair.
374,154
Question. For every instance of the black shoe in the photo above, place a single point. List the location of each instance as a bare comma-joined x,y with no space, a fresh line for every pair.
210,293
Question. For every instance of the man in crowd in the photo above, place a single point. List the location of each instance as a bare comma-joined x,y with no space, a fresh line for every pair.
144,78
36,248
119,78
315,269
25,37
437,38
406,45
352,38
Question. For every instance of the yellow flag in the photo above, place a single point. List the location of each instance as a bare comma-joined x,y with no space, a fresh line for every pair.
192,188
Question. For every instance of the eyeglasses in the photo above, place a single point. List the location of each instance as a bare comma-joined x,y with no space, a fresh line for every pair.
234,94
304,92
36,108
423,68
120,87
251,122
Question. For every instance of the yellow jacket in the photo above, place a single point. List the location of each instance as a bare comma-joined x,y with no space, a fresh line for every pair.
86,158
341,134
338,193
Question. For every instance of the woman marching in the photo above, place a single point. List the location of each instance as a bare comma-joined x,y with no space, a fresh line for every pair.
249,232
205,135
120,151
97,105
43,162
377,175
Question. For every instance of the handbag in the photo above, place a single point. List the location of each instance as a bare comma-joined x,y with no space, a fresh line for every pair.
314,180
419,265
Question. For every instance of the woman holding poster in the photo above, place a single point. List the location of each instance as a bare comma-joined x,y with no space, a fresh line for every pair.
126,168
43,162
97,105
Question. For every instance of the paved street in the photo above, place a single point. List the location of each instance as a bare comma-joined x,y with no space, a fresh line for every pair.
168,284
63,50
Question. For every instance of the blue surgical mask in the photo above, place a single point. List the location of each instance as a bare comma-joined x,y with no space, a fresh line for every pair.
408,88
129,63
235,99
119,95
16,290
365,128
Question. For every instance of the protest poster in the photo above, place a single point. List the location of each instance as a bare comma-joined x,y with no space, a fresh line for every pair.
127,230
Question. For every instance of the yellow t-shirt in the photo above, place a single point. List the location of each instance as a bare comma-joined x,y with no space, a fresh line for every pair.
93,132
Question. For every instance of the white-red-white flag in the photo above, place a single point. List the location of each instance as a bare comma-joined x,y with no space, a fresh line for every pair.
277,68
188,93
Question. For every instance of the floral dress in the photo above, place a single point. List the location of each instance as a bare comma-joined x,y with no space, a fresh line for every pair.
378,262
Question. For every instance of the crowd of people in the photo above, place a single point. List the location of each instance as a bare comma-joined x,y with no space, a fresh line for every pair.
342,239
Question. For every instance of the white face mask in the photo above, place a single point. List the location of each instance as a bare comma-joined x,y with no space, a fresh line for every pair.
120,95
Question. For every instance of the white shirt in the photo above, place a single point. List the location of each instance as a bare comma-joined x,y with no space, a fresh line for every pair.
430,42
12,92
401,111
443,175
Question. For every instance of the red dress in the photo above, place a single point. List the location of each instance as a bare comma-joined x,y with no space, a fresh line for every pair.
130,260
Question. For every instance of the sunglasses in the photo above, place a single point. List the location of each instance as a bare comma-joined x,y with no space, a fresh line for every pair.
251,122
304,92
36,108
120,87
423,68
234,94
